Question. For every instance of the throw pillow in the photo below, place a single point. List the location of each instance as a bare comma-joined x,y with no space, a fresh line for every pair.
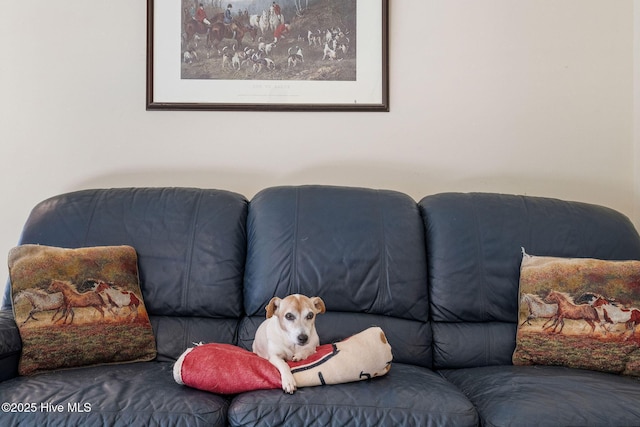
580,313
78,307
227,369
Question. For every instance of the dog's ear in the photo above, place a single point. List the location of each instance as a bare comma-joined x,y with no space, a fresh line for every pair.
318,304
272,307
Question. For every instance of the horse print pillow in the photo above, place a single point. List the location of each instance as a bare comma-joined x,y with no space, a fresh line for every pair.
580,313
78,307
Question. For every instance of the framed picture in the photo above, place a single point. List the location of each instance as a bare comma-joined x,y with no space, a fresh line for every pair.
283,55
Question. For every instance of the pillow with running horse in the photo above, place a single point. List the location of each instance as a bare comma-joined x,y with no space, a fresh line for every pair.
580,313
78,307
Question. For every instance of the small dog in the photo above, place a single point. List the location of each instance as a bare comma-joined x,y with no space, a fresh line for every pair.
295,56
329,53
189,56
288,333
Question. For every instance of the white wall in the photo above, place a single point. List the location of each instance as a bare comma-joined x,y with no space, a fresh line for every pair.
530,97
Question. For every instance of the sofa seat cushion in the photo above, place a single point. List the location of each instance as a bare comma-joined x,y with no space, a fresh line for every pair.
549,396
121,395
407,395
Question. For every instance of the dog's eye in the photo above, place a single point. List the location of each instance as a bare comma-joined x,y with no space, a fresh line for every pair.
309,316
289,316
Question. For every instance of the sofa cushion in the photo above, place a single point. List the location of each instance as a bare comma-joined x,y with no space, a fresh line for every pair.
46,280
140,394
548,396
191,246
580,313
407,396
361,250
177,333
474,243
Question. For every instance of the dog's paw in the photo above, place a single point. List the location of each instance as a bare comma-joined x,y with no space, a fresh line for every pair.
303,354
288,384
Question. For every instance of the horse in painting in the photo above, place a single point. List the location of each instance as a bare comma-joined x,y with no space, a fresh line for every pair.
613,313
72,298
538,309
118,298
568,310
40,301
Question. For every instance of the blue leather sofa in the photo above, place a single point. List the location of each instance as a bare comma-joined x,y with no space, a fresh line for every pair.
439,276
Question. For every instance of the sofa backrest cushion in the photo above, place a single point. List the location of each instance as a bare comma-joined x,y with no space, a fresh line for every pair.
191,246
361,250
474,252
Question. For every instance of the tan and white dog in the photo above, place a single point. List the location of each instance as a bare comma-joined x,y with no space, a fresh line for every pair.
288,333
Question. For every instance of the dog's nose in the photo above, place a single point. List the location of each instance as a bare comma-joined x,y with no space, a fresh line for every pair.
303,338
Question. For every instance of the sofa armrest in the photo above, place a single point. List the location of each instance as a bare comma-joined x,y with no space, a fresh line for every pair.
10,345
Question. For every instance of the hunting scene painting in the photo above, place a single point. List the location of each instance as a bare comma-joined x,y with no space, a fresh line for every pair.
581,313
269,40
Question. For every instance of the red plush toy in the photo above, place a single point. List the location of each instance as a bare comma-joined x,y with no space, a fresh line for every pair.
227,369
